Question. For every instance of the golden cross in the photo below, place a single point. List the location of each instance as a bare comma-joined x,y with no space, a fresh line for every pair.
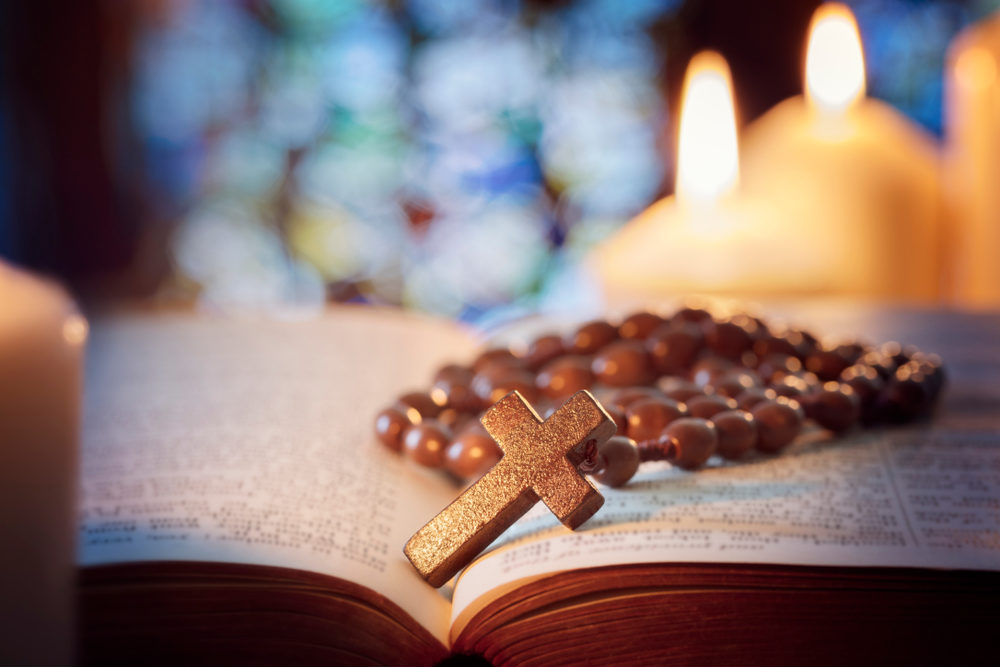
539,462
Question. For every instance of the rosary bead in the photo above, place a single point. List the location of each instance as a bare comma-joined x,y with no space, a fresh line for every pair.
454,373
590,337
639,325
564,376
622,363
694,315
693,441
456,394
772,344
648,416
795,384
737,432
730,339
834,406
426,442
391,424
775,366
627,395
753,396
907,395
674,346
543,350
495,382
735,382
709,369
826,364
618,415
495,356
621,461
883,364
867,385
471,454
422,402
678,388
778,423
708,405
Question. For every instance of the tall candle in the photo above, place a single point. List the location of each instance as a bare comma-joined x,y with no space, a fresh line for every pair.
41,343
852,174
973,163
710,237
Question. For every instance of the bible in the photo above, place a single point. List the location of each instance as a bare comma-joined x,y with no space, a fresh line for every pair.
236,508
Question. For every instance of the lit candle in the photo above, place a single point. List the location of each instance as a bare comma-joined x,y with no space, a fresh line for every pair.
973,163
709,238
860,180
41,344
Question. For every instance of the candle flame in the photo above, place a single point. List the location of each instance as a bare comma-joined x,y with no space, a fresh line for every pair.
835,66
707,151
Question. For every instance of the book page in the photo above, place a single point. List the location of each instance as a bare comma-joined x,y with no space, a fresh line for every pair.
251,442
915,497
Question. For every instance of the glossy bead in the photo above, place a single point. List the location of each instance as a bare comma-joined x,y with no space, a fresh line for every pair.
834,406
648,416
867,385
907,395
673,347
564,376
622,363
737,432
391,423
779,422
422,402
590,337
752,397
775,366
543,350
454,373
691,314
826,364
471,454
734,382
729,339
678,388
618,415
795,384
426,443
693,441
639,325
708,405
456,394
495,382
495,356
709,369
627,395
621,461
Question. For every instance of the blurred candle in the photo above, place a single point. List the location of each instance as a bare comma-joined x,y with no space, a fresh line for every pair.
861,181
41,345
972,116
710,237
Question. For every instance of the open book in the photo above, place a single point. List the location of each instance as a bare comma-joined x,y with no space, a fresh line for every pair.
236,508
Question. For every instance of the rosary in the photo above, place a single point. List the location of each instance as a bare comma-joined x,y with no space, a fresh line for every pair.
678,389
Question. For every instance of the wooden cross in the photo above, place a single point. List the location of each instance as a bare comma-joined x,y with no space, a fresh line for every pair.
539,462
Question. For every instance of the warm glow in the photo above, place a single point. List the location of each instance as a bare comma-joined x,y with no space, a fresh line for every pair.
707,153
975,68
75,329
835,66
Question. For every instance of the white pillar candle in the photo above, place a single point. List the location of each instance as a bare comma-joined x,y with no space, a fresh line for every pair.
710,238
852,174
972,115
41,345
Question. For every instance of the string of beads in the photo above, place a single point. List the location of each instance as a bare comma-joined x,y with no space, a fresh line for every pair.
680,389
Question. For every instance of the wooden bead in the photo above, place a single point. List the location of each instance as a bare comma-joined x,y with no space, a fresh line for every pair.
627,395
618,415
622,363
775,366
834,406
494,383
734,382
867,385
729,339
454,373
422,402
471,454
706,406
673,347
391,423
691,314
495,356
647,417
678,388
706,371
779,422
457,395
426,443
826,364
737,432
564,376
543,350
693,441
590,337
752,397
639,325
621,461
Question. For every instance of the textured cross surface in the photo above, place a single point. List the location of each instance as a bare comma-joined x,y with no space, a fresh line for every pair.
539,462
